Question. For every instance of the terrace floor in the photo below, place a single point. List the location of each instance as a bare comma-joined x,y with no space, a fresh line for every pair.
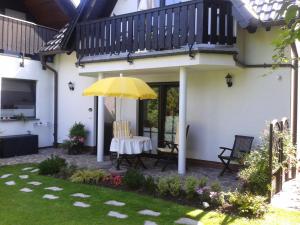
228,181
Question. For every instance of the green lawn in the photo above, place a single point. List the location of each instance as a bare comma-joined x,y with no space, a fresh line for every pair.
18,208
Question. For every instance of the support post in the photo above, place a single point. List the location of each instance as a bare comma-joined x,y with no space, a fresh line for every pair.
182,121
100,125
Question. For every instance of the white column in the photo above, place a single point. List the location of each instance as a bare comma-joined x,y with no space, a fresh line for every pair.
100,138
182,121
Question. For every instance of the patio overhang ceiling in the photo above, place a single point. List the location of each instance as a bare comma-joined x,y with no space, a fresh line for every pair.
201,61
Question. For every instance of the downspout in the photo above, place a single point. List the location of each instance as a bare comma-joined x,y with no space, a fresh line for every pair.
55,73
294,94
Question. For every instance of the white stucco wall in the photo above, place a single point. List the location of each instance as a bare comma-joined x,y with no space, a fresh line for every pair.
10,68
216,113
72,105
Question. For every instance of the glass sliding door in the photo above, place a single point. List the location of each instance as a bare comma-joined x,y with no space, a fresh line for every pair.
158,118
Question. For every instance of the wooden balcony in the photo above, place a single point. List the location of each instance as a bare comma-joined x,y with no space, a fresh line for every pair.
163,28
21,37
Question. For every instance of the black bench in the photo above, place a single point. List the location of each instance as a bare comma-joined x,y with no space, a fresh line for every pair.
17,145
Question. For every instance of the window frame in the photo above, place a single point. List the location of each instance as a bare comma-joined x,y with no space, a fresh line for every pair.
35,97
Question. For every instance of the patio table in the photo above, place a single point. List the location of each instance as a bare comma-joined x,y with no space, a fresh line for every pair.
128,146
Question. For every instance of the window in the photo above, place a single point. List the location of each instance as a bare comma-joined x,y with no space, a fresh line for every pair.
158,118
18,98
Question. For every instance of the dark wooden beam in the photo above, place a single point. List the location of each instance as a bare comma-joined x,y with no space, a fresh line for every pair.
67,7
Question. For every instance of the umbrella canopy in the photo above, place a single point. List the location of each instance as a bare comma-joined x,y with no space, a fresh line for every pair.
123,87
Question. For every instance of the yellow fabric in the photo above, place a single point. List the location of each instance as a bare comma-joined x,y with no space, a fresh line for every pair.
124,87
121,129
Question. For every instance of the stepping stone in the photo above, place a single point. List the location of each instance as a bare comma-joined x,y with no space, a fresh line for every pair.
23,177
5,176
54,188
35,171
81,204
188,221
27,190
117,215
10,183
80,195
149,223
148,212
35,183
27,168
50,197
114,203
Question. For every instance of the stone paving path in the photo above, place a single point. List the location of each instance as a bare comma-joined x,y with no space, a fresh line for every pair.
289,197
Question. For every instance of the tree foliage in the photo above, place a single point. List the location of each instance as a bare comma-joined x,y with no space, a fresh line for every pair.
290,31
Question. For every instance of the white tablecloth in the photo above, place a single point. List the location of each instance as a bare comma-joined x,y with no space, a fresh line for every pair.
131,146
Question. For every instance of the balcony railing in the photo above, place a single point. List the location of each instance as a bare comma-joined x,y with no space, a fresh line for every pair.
164,28
21,37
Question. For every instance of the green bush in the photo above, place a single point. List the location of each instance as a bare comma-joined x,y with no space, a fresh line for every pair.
150,185
52,165
248,205
88,176
77,130
67,171
203,182
133,179
190,187
215,187
174,186
163,186
255,175
169,185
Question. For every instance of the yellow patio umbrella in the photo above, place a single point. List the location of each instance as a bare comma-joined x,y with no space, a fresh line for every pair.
122,87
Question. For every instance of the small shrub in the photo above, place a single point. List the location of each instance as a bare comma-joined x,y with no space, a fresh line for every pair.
67,171
203,182
204,194
163,186
217,199
150,185
52,165
169,185
215,187
117,181
190,186
88,176
248,205
133,179
174,186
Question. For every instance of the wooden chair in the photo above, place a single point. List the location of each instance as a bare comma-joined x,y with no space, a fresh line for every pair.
241,146
169,154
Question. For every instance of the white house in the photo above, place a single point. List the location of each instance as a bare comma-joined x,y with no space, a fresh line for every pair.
184,50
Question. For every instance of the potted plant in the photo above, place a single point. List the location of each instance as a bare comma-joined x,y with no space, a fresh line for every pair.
77,137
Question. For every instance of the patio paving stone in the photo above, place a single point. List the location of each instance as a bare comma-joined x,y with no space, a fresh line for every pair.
54,188
27,168
10,183
117,215
50,197
5,176
81,204
80,195
35,183
147,212
149,223
114,203
23,177
35,171
27,190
